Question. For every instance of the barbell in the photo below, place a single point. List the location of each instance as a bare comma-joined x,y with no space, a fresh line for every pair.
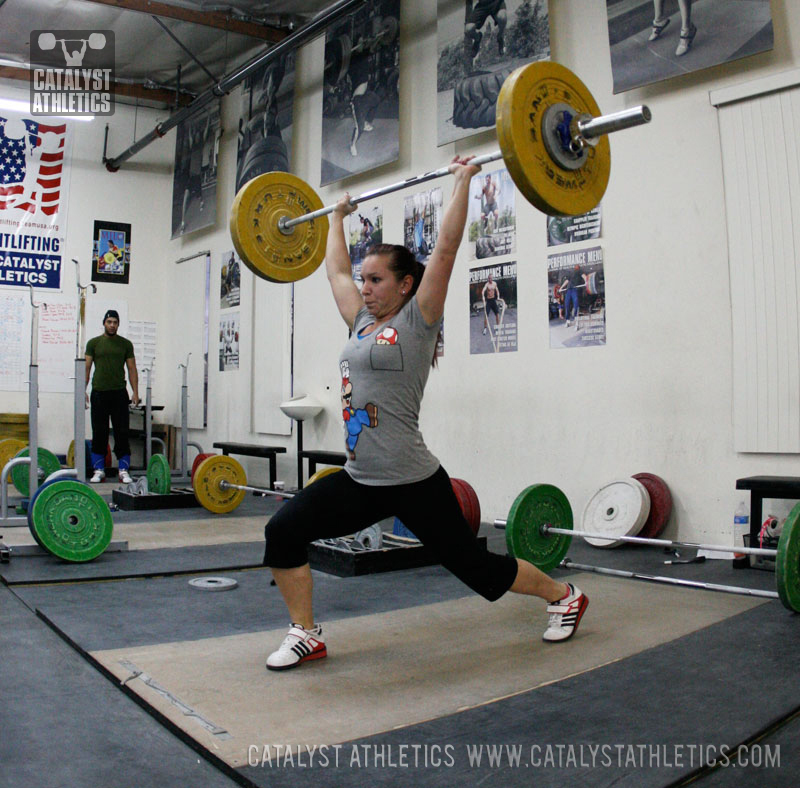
552,137
539,530
220,482
48,40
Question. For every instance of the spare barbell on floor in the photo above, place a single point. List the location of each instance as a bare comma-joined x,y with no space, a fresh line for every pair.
552,139
220,483
539,530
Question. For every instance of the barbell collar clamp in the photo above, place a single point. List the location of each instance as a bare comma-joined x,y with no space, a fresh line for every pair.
593,128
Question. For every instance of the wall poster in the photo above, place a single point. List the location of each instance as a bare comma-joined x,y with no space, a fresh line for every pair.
493,308
111,252
576,289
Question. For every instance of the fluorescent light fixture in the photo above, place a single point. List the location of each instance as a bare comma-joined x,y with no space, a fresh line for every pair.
18,105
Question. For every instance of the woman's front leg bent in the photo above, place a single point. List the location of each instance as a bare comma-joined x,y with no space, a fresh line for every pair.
332,507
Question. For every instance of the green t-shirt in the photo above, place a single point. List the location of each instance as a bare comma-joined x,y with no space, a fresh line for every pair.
109,354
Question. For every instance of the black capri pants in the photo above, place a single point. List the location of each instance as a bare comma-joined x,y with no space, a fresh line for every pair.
336,505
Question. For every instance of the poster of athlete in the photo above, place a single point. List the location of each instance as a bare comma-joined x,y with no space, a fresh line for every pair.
576,289
366,230
360,95
493,308
194,185
266,120
229,341
230,280
422,219
480,42
491,216
111,252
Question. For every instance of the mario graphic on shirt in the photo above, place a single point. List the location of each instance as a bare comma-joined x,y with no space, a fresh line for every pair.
355,419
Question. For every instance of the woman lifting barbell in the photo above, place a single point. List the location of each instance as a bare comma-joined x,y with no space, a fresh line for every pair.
385,364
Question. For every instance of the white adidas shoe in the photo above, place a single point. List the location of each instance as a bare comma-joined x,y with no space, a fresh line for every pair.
565,615
124,477
97,477
300,645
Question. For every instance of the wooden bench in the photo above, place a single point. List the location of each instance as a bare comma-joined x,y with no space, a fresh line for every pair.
766,487
252,450
322,457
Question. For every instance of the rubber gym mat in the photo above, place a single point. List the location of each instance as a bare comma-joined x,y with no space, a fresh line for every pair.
65,725
133,563
400,667
134,612
769,762
647,720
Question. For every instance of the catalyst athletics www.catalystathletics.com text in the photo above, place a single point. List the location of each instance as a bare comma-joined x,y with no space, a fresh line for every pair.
537,756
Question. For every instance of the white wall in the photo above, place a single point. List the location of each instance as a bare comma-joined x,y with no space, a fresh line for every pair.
140,195
656,398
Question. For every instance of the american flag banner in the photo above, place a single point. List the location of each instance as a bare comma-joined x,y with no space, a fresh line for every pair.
34,175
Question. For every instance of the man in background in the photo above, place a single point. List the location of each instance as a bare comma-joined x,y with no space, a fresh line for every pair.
111,354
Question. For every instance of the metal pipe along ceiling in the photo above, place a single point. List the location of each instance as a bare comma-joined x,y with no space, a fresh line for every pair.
307,32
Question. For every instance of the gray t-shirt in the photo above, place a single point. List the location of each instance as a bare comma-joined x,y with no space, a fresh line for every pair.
383,379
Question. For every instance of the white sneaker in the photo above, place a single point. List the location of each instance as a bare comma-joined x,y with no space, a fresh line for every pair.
300,645
97,477
368,126
124,477
565,615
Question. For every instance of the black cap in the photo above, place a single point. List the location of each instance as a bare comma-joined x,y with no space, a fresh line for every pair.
111,313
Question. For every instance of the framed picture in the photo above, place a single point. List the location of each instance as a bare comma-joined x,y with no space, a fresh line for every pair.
661,39
111,252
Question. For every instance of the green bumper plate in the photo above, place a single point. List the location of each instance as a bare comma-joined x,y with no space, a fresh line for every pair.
70,520
159,478
537,505
48,463
787,563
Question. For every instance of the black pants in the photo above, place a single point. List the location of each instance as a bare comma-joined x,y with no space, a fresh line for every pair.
113,405
336,505
364,108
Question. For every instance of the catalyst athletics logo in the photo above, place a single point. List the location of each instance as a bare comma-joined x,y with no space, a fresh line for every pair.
72,72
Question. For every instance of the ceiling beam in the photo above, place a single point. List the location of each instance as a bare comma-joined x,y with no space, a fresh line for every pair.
218,19
127,89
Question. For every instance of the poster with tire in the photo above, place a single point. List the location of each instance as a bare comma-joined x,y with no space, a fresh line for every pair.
493,308
480,42
576,290
265,120
194,185
360,97
491,215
